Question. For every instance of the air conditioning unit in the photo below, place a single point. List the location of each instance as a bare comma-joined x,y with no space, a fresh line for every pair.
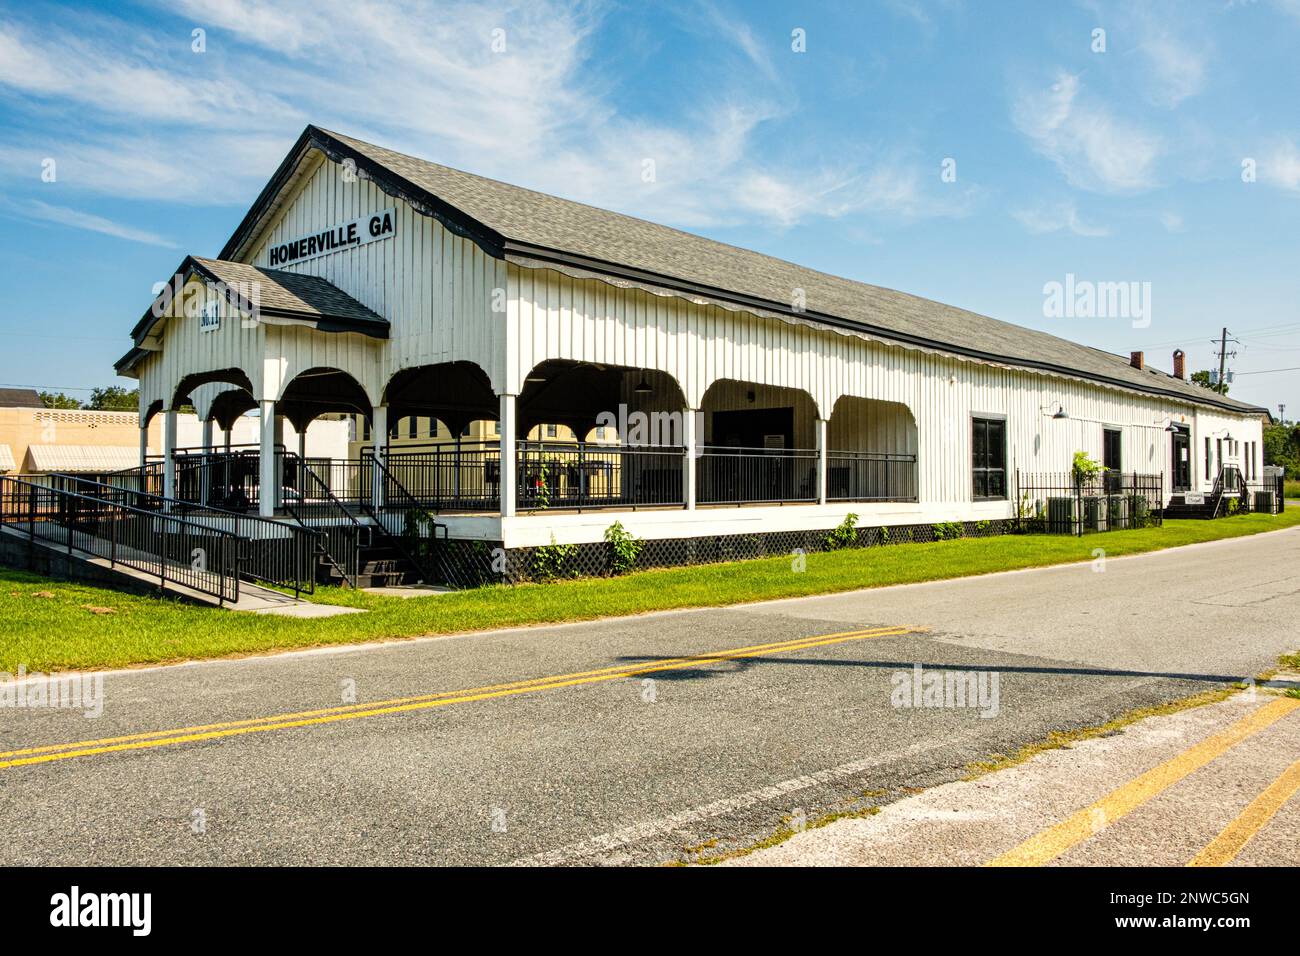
1062,515
1095,513
1264,502
1117,507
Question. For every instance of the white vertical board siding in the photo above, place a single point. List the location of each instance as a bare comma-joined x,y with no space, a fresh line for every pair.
435,288
557,316
187,350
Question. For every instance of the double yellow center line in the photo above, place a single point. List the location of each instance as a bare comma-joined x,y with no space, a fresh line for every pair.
308,718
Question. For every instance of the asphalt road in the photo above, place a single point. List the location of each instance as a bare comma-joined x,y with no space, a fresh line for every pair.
619,748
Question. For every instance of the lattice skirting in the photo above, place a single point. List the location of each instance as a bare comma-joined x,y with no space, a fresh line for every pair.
467,564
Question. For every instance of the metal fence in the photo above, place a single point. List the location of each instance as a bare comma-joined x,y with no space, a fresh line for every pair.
754,475
176,550
586,475
870,476
270,551
1262,497
464,476
1060,503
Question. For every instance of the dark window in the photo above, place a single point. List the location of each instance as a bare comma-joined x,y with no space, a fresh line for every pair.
1207,458
989,457
551,431
1111,457
412,427
365,429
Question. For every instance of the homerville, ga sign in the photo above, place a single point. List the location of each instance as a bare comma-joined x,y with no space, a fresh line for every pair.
358,232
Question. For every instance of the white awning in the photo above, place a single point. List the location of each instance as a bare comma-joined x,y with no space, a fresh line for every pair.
6,458
81,458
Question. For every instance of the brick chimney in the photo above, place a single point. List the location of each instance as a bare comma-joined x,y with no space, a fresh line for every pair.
1180,365
1137,360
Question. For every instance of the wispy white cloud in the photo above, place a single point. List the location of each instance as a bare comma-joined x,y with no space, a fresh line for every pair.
1173,222
1280,166
1057,217
1177,69
504,89
79,219
1093,148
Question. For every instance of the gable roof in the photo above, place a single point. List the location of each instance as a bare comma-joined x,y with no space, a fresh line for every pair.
286,295
537,229
20,398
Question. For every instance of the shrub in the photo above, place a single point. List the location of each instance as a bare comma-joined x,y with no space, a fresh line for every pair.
552,561
946,530
624,548
843,535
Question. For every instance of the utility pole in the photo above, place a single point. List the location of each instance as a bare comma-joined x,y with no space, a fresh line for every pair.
1223,354
1281,412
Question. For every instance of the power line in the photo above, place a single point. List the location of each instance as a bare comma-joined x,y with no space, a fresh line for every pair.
1270,371
60,388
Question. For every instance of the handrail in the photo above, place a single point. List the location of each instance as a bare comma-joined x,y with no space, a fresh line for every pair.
193,575
1217,491
303,580
348,572
411,505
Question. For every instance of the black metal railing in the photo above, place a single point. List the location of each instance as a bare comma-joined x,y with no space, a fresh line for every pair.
1061,503
463,476
753,475
870,476
342,536
589,475
406,524
177,550
270,551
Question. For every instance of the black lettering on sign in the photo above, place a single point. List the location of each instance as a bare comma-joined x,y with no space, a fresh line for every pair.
380,225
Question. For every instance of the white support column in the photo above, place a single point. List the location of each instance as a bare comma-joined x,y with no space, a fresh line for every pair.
279,459
689,440
144,445
508,426
302,444
205,477
268,489
379,439
169,453
821,460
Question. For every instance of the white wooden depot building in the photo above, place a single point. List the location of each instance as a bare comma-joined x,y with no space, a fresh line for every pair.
705,390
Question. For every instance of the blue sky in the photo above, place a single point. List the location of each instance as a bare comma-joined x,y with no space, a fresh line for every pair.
1118,166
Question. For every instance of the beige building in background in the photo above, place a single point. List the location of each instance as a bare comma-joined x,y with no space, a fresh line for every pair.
39,440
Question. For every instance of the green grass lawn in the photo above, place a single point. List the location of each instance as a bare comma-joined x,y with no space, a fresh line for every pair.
51,625
1291,488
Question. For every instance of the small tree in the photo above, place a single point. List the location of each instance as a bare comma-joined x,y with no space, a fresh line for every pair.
59,400
114,398
1084,469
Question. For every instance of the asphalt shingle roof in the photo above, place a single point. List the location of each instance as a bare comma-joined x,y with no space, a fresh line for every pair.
20,398
537,219
306,295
